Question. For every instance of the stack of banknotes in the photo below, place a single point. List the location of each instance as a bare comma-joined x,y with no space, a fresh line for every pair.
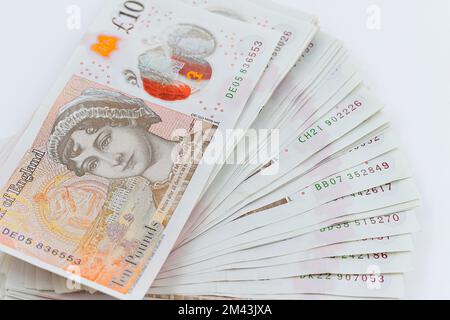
204,150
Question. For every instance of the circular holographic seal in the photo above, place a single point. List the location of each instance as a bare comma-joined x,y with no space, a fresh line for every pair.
175,66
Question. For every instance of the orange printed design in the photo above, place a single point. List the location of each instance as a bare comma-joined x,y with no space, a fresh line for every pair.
168,92
105,45
194,70
67,206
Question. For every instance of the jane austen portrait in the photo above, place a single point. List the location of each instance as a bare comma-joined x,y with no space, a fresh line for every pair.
106,134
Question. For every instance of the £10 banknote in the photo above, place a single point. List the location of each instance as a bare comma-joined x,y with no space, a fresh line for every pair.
108,171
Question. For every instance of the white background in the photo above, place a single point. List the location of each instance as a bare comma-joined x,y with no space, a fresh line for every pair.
406,63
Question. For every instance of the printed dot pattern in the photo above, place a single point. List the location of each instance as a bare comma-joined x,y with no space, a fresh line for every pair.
156,16
98,71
